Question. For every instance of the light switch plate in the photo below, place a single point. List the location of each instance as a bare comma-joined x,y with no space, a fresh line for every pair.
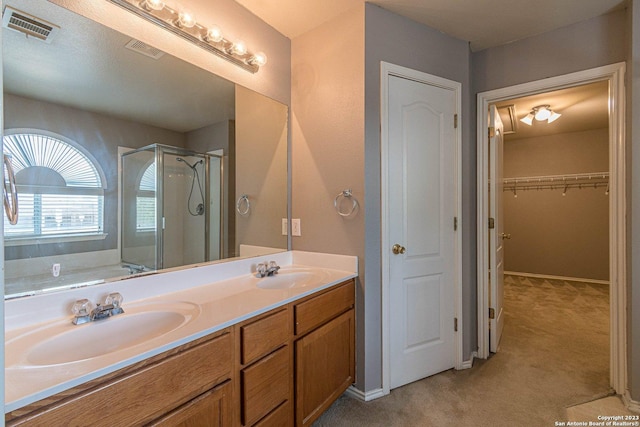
295,227
285,226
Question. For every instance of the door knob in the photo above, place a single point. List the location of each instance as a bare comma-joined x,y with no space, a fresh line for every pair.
398,249
506,236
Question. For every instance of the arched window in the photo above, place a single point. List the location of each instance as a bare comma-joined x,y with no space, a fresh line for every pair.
146,200
60,189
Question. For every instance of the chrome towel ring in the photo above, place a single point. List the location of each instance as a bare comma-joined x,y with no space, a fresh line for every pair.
346,194
9,190
243,206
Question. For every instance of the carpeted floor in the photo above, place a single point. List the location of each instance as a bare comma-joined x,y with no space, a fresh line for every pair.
554,354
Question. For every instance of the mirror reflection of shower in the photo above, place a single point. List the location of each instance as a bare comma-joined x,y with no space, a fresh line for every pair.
158,182
199,210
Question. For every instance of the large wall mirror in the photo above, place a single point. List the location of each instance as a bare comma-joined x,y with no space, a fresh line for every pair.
128,160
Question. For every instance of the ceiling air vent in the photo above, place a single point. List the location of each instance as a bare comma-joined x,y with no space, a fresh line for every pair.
22,22
509,119
144,49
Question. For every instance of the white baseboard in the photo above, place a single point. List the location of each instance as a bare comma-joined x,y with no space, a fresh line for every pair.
468,364
548,276
365,396
632,405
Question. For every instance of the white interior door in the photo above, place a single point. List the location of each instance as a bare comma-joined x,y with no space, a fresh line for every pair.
496,234
421,210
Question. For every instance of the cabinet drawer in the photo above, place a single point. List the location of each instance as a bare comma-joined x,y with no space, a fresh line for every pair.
263,336
147,394
314,312
265,385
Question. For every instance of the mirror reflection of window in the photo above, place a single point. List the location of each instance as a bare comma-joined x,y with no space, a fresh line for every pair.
60,189
146,200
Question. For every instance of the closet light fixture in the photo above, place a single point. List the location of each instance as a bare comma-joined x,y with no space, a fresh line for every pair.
540,113
183,24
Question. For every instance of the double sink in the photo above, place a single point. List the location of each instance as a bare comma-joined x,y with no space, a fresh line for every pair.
60,342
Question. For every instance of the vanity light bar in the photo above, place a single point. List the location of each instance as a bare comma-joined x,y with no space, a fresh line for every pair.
184,25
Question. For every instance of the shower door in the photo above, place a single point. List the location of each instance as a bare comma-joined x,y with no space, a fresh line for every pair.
139,209
184,209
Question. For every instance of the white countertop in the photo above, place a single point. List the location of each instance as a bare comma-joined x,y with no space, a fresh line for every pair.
222,294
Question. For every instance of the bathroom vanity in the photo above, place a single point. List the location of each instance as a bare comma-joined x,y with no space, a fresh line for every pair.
250,351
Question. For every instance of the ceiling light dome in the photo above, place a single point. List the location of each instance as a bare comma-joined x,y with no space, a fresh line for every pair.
540,113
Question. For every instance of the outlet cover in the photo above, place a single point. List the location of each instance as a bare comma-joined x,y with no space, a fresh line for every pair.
285,226
295,227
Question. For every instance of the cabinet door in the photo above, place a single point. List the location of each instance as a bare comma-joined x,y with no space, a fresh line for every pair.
265,385
325,367
210,409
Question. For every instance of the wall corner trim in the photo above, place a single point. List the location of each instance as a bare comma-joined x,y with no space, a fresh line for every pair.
468,364
632,405
365,396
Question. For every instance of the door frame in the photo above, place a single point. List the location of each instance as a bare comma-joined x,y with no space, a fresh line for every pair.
614,74
386,70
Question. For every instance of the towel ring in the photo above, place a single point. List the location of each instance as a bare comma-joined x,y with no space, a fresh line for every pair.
9,193
243,206
347,194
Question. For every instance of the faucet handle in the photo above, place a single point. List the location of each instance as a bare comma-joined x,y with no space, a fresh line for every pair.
114,299
82,307
261,269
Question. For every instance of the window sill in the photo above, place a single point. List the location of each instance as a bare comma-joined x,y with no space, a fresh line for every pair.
24,241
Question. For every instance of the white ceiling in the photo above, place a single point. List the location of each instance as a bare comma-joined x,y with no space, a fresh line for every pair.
483,23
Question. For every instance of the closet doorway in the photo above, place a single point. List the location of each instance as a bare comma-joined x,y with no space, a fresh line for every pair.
573,170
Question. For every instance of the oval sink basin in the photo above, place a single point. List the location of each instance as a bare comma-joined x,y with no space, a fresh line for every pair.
292,278
63,342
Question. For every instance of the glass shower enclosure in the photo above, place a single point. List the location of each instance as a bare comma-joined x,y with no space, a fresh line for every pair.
171,205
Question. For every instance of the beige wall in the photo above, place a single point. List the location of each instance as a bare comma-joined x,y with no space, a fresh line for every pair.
261,169
554,234
328,133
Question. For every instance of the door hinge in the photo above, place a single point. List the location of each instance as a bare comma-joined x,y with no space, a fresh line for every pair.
492,313
492,223
455,121
492,131
455,324
455,223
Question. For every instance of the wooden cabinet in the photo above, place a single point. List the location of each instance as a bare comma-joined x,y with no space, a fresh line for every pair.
138,394
324,356
277,369
265,369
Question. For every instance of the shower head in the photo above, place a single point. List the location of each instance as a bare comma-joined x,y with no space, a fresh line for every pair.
192,166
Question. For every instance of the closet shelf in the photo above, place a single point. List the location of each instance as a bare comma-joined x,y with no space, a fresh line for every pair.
594,180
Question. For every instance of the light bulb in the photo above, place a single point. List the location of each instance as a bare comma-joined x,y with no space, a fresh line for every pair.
214,34
554,116
186,19
542,113
259,59
528,119
239,48
152,4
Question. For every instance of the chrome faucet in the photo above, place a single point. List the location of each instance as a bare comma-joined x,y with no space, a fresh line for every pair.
135,268
267,269
84,311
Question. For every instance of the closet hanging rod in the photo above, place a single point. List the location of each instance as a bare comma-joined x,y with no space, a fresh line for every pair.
558,179
557,186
